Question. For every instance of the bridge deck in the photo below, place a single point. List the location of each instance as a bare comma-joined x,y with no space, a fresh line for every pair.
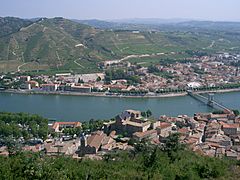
205,99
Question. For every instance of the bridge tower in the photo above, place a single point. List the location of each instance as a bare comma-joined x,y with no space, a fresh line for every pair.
237,71
210,99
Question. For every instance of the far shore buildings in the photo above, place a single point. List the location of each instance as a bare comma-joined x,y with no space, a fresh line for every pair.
49,87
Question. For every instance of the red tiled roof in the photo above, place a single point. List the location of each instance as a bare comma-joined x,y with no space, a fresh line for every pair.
213,144
146,133
230,125
32,82
183,130
164,125
68,123
54,126
95,140
48,85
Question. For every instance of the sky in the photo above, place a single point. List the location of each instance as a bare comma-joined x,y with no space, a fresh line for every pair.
217,10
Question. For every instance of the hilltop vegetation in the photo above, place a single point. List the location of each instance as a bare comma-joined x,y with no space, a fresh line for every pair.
11,25
62,45
20,125
144,162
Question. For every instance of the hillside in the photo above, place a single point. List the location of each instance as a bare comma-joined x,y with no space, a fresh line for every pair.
60,45
11,25
51,43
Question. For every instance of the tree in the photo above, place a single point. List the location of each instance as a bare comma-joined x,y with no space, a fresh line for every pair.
153,69
236,112
80,81
173,146
98,79
13,147
149,113
143,114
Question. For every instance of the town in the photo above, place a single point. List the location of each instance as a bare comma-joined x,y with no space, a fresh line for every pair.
123,78
214,134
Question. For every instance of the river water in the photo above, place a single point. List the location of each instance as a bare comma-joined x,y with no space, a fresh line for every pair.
83,108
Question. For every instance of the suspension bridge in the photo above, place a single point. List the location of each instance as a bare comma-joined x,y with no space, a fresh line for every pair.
209,100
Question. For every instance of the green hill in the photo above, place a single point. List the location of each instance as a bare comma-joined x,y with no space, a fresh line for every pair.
50,42
11,25
61,45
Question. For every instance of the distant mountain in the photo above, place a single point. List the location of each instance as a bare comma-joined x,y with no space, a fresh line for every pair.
161,24
97,23
149,21
212,25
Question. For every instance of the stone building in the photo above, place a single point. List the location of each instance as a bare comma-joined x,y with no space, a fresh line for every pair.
129,122
91,144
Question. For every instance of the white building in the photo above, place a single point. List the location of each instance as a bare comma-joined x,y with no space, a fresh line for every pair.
194,85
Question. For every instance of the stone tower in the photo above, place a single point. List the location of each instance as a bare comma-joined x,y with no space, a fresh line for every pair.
83,141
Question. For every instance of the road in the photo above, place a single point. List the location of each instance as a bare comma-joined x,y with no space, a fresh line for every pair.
78,64
18,68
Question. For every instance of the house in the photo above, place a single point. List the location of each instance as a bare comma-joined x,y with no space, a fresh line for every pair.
220,139
230,129
108,143
236,140
220,152
232,154
32,84
67,148
151,134
164,129
185,131
132,127
213,128
25,78
81,89
218,116
237,119
59,126
91,144
130,121
34,148
49,87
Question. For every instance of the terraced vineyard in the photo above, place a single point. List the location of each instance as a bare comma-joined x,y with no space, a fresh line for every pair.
61,45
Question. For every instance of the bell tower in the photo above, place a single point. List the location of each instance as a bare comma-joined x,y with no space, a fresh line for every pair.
83,141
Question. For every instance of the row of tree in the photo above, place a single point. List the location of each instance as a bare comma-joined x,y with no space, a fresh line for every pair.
204,88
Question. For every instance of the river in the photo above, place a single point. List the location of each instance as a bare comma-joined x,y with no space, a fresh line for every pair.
83,108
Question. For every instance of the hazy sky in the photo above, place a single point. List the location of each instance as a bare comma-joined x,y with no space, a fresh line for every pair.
122,9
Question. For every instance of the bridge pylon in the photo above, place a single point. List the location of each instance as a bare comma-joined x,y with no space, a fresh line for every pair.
210,99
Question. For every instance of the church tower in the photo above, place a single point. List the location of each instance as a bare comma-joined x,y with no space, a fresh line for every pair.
83,141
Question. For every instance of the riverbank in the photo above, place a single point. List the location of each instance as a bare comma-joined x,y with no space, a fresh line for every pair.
154,95
91,94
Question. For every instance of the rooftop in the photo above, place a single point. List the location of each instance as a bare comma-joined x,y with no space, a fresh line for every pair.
143,134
